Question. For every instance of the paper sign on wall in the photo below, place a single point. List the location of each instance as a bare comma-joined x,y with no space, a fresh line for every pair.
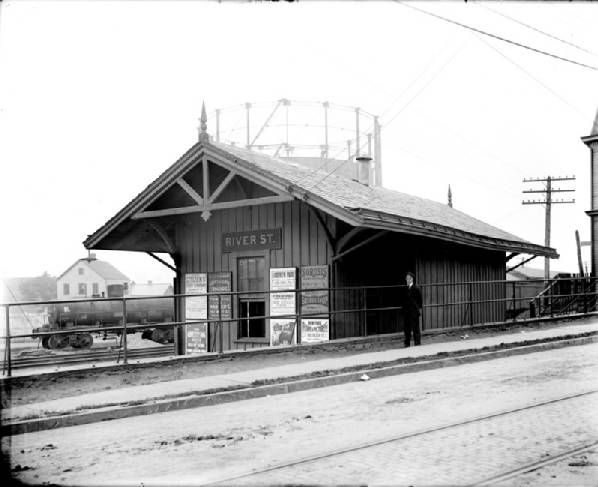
283,330
196,308
315,328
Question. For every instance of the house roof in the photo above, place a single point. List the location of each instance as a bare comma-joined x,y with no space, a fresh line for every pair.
151,288
348,200
104,269
525,273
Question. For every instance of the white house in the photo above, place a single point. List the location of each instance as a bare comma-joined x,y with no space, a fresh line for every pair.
89,278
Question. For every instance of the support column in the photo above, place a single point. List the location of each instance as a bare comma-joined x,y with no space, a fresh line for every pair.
592,142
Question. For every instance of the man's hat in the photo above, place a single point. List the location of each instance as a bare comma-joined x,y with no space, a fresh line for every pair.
409,273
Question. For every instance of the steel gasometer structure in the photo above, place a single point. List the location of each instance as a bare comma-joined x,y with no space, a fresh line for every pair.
320,135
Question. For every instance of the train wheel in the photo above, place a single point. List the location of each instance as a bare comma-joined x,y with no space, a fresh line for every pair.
158,336
58,341
81,340
45,342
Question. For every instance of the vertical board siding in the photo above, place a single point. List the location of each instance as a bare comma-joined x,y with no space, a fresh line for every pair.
382,262
456,264
200,243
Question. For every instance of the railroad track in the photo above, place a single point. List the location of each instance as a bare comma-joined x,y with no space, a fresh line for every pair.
90,356
253,476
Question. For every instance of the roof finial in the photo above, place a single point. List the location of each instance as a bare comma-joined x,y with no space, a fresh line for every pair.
595,125
450,197
203,126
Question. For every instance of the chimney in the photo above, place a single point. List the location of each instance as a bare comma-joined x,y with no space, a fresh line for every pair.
363,169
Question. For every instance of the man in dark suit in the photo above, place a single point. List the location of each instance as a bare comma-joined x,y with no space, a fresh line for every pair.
412,307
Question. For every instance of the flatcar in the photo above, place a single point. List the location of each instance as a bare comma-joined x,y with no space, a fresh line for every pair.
78,315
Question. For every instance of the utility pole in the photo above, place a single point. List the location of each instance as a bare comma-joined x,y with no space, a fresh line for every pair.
548,201
579,262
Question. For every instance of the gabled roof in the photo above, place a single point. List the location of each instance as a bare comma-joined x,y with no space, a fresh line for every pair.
348,200
104,269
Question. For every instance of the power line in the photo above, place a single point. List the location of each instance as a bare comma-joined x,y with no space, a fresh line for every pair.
536,30
411,84
494,36
532,76
412,99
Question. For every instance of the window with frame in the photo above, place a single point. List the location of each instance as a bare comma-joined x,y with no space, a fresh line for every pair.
82,289
66,289
251,276
95,289
81,270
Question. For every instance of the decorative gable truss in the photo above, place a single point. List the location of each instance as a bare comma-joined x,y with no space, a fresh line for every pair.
210,185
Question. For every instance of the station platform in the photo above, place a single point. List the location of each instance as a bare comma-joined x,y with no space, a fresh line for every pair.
270,374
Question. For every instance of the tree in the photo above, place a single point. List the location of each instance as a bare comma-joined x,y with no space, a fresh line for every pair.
41,288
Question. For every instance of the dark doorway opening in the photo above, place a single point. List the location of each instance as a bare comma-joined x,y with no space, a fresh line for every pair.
251,277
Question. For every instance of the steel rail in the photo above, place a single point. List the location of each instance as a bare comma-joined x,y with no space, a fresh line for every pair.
98,355
370,444
534,465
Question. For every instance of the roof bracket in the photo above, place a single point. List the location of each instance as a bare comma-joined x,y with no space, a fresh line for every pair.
521,263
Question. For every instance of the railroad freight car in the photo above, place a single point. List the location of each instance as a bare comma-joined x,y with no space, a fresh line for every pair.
76,316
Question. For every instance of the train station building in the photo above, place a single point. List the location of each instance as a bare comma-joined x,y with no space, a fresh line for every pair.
239,221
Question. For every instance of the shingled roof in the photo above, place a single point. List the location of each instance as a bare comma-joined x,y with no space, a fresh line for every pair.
351,201
104,269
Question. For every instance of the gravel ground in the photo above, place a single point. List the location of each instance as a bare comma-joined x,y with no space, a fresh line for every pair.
198,445
28,390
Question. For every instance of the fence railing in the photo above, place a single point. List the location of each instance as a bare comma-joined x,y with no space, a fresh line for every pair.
351,311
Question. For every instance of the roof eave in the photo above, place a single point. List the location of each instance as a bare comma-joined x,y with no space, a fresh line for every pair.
427,229
189,158
589,138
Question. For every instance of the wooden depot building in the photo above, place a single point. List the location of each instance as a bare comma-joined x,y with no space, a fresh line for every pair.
234,220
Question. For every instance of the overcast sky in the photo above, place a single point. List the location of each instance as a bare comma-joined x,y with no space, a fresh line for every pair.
98,98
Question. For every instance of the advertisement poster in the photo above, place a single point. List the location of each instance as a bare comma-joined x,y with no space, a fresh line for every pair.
283,303
196,308
220,282
282,332
314,277
315,330
282,278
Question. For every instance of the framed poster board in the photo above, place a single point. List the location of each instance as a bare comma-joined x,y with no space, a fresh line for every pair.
283,330
220,282
196,308
316,304
315,330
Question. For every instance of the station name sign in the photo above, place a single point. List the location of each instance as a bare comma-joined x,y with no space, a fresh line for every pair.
252,240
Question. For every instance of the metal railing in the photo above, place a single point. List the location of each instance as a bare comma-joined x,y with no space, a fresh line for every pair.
353,311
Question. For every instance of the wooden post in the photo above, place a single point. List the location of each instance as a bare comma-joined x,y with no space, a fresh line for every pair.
365,312
579,262
513,299
7,349
124,331
220,347
298,309
470,305
357,148
547,227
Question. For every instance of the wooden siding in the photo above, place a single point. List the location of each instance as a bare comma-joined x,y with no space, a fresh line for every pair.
200,245
440,265
382,262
